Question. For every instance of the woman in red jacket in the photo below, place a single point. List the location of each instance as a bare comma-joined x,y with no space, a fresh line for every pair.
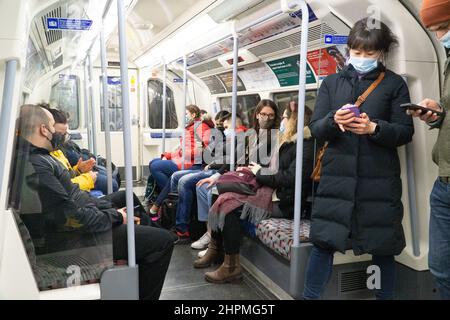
197,138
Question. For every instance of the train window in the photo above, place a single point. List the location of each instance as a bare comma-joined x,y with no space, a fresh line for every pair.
282,99
246,106
64,96
155,97
114,105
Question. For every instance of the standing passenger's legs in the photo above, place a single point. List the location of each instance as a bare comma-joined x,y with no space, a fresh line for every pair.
439,254
318,273
387,268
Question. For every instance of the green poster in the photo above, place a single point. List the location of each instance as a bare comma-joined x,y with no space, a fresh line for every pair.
287,71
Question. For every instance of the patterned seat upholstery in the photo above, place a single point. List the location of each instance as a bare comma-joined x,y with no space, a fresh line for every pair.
277,234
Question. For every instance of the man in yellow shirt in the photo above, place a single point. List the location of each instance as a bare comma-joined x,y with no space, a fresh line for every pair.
81,173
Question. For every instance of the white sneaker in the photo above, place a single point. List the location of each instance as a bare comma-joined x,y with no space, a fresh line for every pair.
201,243
202,253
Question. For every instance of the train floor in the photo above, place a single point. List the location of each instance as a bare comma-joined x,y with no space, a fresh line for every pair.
184,282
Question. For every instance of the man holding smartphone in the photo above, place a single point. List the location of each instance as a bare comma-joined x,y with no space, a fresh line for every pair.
435,16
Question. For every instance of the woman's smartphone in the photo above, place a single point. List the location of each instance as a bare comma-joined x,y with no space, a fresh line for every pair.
415,107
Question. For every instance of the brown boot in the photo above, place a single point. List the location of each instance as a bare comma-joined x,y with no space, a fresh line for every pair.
214,254
229,271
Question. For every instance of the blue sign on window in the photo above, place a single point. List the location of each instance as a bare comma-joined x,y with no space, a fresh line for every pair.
114,81
335,39
68,24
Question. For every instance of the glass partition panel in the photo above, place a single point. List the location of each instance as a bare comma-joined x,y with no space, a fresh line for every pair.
66,231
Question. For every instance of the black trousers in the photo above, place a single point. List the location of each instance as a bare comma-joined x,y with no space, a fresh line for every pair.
154,248
230,236
119,200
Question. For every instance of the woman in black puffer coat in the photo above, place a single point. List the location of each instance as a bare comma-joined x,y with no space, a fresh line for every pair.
358,200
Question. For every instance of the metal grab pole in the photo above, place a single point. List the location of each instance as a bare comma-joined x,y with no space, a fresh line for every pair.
91,95
412,199
296,282
126,133
234,98
86,105
184,115
164,108
6,113
106,110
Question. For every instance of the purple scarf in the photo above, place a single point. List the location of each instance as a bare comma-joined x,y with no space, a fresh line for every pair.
256,207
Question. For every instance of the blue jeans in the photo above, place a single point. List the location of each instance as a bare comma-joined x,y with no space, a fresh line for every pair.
204,201
162,170
186,189
439,253
319,269
102,183
172,183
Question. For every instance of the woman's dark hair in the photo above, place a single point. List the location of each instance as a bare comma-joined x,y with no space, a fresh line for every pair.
370,34
194,109
266,103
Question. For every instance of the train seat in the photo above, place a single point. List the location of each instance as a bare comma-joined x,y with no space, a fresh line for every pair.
277,234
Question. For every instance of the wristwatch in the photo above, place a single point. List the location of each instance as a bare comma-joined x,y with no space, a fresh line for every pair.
377,129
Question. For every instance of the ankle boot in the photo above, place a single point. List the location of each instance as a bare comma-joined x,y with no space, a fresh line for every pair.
214,254
229,271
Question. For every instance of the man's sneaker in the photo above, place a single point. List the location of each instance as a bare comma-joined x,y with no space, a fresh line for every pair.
202,243
202,253
182,237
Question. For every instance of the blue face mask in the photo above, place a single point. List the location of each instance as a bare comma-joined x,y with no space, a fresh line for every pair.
187,119
363,65
445,40
282,127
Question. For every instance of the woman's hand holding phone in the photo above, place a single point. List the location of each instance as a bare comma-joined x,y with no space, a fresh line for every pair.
361,125
343,116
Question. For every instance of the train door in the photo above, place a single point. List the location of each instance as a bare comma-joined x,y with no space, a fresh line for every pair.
116,117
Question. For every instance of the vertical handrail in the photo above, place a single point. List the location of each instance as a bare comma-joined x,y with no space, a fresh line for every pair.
106,110
164,108
300,123
412,199
294,272
234,97
87,118
91,98
412,196
6,113
184,114
126,133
